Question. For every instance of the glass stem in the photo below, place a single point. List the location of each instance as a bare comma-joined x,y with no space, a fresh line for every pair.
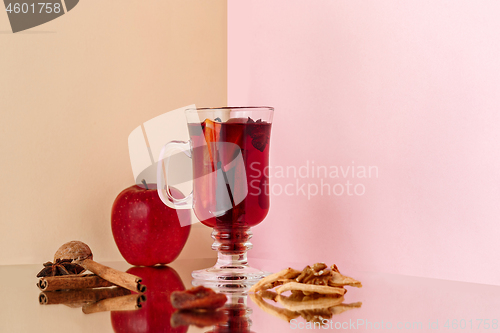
231,245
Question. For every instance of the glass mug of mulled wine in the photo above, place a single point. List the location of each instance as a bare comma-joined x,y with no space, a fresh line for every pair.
229,148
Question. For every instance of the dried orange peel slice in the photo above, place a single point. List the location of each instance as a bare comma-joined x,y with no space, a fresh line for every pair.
272,280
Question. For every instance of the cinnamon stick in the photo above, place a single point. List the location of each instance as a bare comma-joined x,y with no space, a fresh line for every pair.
81,254
122,279
77,298
122,303
51,283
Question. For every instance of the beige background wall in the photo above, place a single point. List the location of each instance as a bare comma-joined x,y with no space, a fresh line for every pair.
72,90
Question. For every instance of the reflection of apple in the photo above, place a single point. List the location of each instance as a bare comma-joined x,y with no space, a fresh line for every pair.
146,231
154,316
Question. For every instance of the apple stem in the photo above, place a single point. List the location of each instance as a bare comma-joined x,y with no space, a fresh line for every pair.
145,184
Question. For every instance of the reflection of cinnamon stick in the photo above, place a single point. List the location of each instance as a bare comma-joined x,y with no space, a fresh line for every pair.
51,283
79,297
122,303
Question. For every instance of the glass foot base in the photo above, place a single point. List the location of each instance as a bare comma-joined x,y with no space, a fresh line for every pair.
228,288
230,274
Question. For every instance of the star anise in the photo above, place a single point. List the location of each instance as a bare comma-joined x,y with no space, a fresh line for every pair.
259,134
60,267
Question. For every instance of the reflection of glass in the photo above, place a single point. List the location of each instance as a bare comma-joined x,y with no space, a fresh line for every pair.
230,152
233,317
238,315
201,318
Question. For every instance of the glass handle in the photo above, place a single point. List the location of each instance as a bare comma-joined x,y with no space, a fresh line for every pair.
163,193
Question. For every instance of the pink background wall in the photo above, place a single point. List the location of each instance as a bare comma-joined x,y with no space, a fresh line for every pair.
411,87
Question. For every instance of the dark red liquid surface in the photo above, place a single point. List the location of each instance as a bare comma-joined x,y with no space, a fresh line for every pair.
230,161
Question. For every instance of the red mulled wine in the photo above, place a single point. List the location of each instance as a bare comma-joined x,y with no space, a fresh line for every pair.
230,169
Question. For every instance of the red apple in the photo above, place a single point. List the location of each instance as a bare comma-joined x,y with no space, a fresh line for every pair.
146,231
154,316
